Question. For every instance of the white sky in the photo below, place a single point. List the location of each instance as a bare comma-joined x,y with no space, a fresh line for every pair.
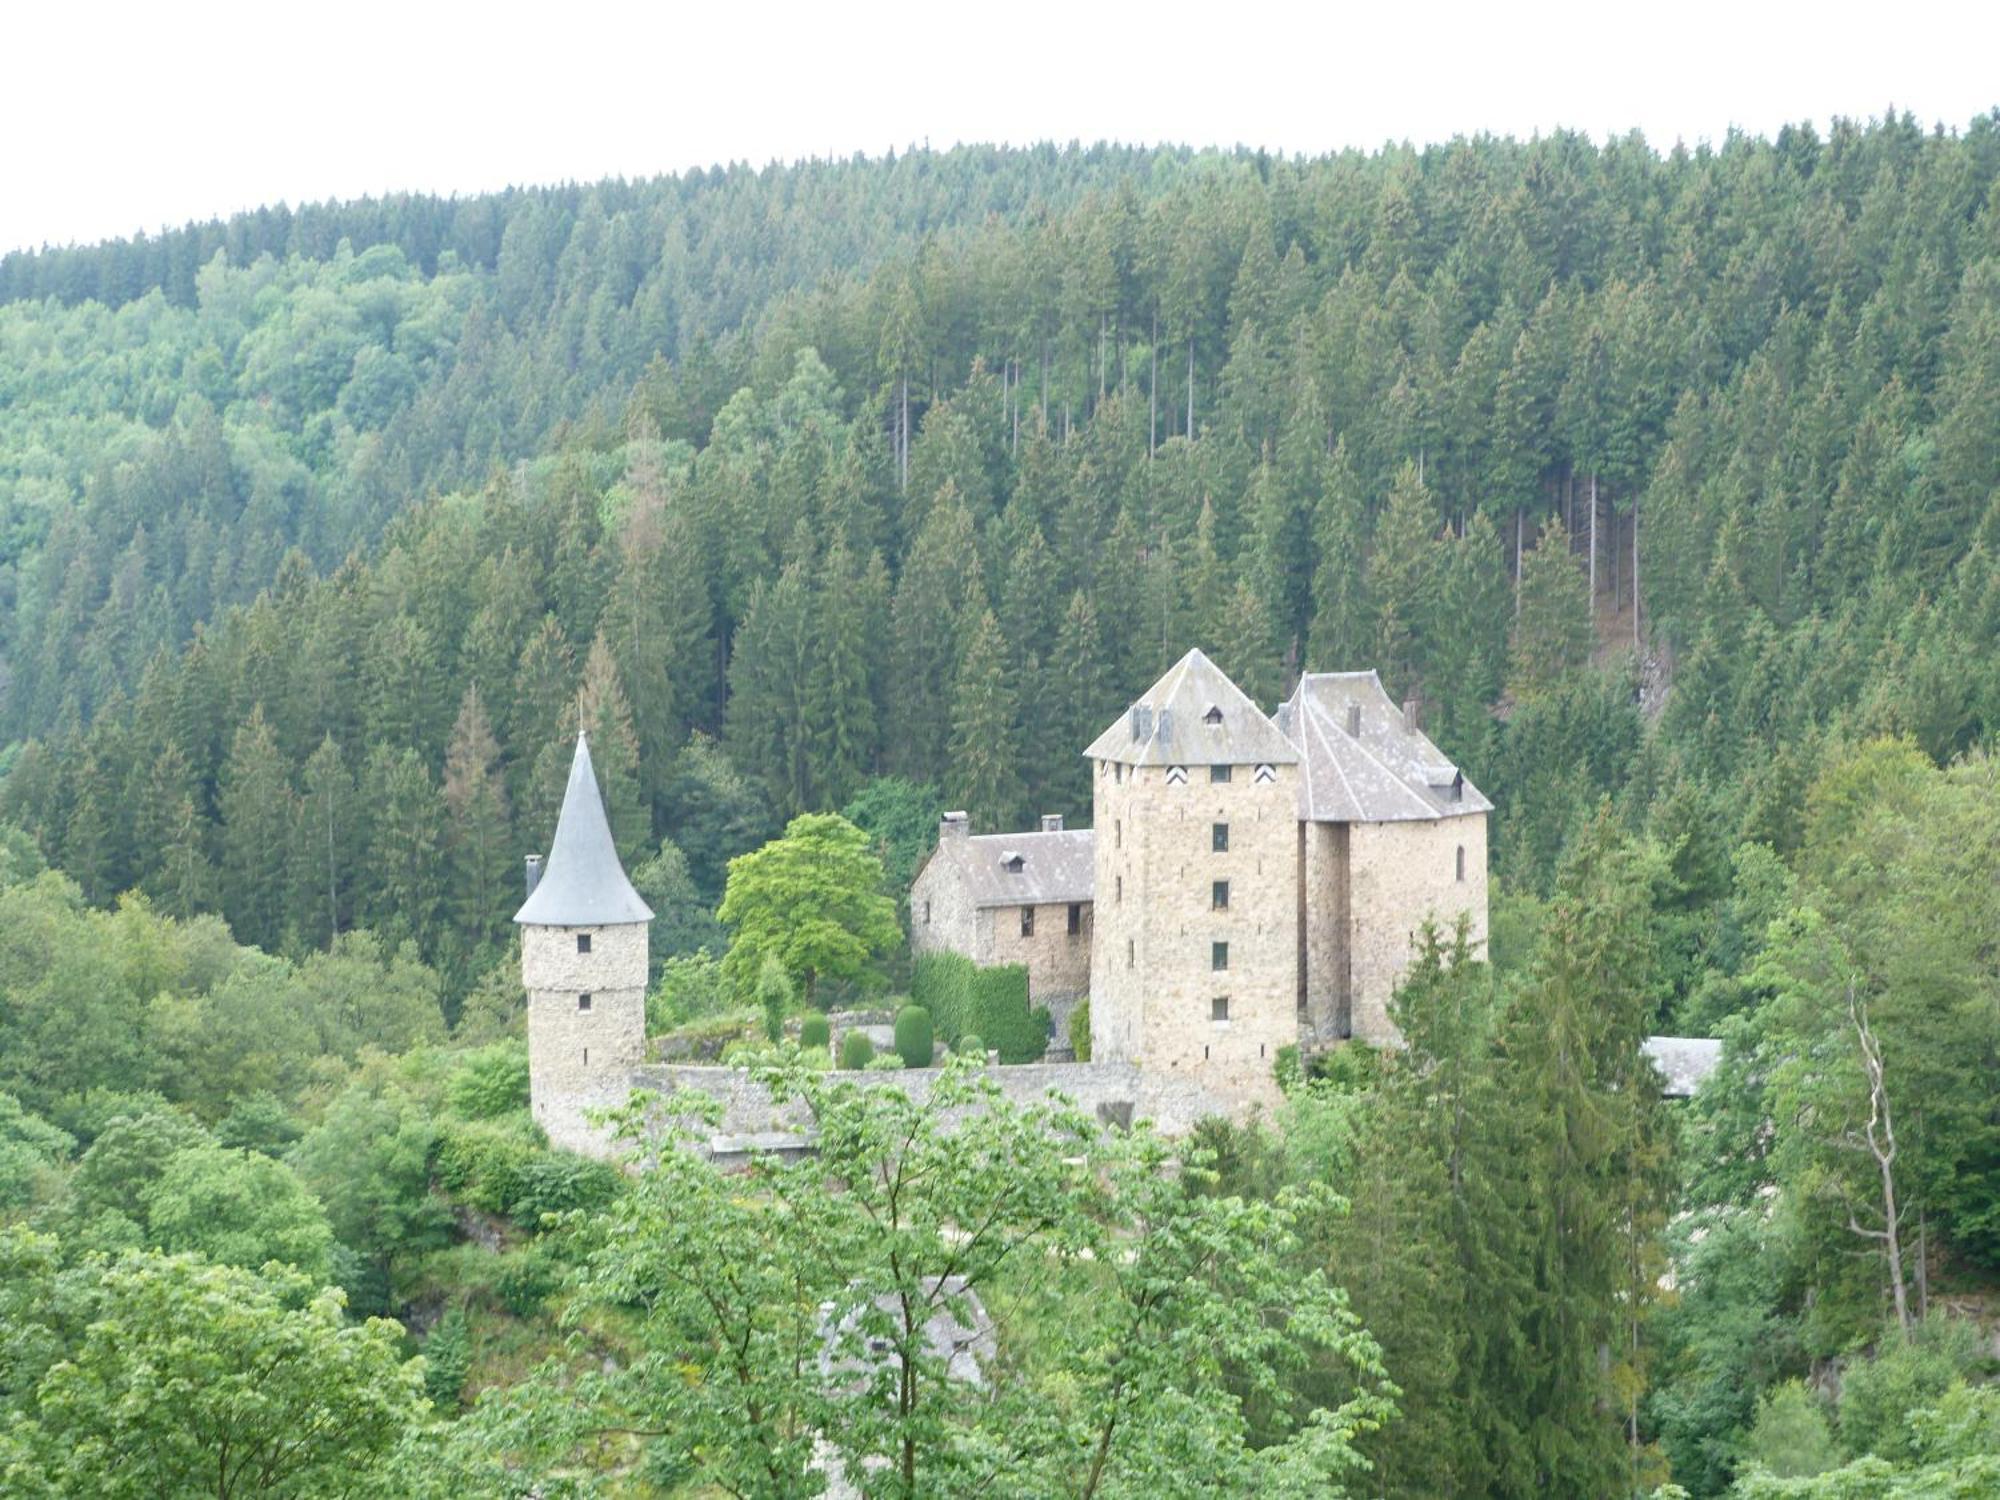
111,123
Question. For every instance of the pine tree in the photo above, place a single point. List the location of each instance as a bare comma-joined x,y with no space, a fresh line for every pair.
544,689
1552,634
770,668
985,773
1081,700
1249,648
926,647
403,889
603,714
840,705
1343,632
328,845
1405,577
257,821
476,841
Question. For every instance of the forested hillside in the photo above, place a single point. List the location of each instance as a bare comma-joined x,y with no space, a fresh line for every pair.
1668,483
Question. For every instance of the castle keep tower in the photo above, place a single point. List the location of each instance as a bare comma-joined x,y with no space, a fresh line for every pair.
1195,954
583,963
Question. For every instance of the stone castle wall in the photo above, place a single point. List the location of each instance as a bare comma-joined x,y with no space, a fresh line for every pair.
1154,984
1325,925
1401,874
1057,961
572,1051
1115,1093
942,916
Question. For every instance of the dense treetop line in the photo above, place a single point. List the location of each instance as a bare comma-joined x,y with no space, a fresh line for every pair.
1669,484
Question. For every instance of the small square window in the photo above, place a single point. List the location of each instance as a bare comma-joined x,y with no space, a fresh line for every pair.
1218,1008
583,942
583,1002
1075,918
1218,773
1218,956
1218,895
1027,921
1218,838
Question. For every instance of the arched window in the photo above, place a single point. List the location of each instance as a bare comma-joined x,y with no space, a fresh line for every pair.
1461,862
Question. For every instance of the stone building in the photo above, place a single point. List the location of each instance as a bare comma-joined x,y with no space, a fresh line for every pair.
1194,964
583,963
1390,834
1016,898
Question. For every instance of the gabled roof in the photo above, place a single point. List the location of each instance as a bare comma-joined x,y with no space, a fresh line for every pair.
583,883
1193,716
1363,764
1055,867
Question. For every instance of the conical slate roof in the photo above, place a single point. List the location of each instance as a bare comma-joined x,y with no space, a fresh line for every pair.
1194,716
1366,763
583,884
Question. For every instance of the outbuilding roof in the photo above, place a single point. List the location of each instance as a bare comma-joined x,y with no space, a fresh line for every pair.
1364,761
583,884
1194,716
1684,1062
1023,869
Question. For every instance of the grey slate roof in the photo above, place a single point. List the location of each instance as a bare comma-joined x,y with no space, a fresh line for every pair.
1386,773
1056,868
1170,724
1684,1061
583,884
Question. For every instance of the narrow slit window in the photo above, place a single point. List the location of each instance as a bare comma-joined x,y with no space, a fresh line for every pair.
1218,956
1461,861
1218,895
1131,953
583,942
583,1002
1218,838
1118,891
927,914
1027,921
1075,918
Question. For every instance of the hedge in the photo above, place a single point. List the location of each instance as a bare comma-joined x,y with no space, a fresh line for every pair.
991,1003
815,1033
856,1051
914,1041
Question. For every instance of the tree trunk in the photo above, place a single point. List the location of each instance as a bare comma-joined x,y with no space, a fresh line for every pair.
1520,523
1592,541
1153,393
903,438
1190,425
1880,1137
1635,574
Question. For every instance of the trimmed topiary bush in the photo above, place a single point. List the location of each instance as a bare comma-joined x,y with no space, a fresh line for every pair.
971,1044
1079,1030
914,1043
815,1033
856,1051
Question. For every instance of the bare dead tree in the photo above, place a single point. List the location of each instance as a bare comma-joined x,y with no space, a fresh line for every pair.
1878,1138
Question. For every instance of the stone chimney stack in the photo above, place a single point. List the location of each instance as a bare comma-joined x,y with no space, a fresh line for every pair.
534,863
954,825
1410,715
1052,823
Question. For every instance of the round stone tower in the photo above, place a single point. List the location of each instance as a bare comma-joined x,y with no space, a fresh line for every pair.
583,962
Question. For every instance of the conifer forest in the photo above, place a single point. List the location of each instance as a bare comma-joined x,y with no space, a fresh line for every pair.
1666,483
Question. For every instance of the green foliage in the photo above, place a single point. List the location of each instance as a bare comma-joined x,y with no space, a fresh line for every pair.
238,1208
32,1153
856,1051
901,818
774,996
1791,1437
815,1033
690,986
1877,1394
179,1377
972,1045
914,1043
813,900
992,1002
447,1358
1079,1030
490,1081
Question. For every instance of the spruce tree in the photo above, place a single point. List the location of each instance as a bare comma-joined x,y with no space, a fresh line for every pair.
603,714
1552,633
403,888
839,698
257,822
328,845
985,771
477,835
1343,632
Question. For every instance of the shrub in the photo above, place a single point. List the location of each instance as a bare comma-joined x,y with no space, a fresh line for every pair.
1791,1436
856,1051
815,1033
1079,1030
482,1163
914,1043
971,1045
774,996
491,1081
447,1359
989,1002
555,1184
886,1062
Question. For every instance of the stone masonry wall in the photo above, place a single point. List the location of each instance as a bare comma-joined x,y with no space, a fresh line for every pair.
1153,980
942,917
1112,1092
1401,873
1324,897
572,1052
1058,962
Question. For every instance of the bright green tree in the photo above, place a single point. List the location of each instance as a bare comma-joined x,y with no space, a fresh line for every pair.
814,899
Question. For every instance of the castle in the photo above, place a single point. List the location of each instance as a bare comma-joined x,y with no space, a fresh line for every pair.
1251,881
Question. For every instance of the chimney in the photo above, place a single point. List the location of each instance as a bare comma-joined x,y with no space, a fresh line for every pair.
1354,720
1052,823
1410,715
534,863
954,825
